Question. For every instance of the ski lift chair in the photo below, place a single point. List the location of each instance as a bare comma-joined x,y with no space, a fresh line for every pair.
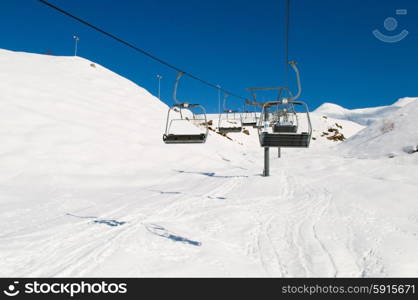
269,137
249,118
229,120
284,136
287,121
186,123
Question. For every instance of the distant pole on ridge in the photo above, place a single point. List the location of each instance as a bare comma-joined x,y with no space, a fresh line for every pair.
219,98
159,85
76,38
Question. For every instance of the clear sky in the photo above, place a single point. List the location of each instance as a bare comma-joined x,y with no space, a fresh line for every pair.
234,43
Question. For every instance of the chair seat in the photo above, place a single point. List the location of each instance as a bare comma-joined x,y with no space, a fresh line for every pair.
285,140
229,129
249,123
284,128
184,138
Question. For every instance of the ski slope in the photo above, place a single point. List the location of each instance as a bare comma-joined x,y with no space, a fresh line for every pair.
88,188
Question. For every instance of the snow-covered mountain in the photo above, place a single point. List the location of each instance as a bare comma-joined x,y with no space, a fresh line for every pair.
88,188
394,134
362,116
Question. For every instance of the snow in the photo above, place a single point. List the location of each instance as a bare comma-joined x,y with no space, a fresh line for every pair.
395,134
363,116
88,188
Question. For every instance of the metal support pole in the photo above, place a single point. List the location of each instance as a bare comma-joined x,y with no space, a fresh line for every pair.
279,152
266,171
76,38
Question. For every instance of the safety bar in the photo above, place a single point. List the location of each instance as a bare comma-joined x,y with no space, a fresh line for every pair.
307,114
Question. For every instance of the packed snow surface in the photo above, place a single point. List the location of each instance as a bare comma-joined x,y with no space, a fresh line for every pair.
88,188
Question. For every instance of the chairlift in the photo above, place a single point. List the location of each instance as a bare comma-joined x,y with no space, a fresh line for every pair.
280,134
249,118
229,120
283,136
287,120
286,117
274,117
186,123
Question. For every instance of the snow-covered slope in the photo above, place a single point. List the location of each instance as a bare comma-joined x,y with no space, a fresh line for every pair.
322,124
362,116
392,135
88,188
72,118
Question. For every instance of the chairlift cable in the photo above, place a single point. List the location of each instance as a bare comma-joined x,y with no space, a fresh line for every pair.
286,42
161,61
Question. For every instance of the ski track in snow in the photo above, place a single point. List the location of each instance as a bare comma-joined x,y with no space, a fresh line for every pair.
287,235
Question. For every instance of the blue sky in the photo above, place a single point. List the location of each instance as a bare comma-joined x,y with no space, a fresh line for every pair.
233,43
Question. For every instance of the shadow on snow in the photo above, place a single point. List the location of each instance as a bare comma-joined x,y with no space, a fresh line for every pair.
162,232
211,174
111,223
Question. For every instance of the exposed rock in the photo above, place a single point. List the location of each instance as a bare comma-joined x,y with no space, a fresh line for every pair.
337,137
224,135
208,123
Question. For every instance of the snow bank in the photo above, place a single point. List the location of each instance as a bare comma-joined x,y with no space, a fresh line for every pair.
392,135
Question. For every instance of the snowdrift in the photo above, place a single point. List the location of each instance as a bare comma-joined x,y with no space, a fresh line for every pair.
394,134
